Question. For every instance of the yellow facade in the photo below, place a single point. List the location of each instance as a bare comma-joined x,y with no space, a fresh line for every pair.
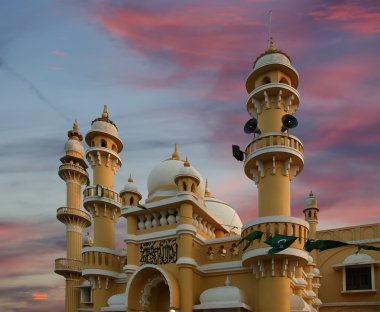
183,250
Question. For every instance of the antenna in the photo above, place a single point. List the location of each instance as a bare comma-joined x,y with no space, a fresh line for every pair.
270,24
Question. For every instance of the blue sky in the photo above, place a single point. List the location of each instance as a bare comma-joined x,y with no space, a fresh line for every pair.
174,72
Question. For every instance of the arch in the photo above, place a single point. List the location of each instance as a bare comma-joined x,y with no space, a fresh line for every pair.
193,188
265,80
131,201
141,287
103,143
284,80
184,185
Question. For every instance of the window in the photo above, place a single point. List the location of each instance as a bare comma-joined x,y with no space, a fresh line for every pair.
265,80
103,143
85,295
358,278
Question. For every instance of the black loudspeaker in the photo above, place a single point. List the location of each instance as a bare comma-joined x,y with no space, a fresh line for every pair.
237,153
251,126
288,122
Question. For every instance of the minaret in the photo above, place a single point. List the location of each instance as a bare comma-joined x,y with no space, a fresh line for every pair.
101,261
311,214
272,161
73,172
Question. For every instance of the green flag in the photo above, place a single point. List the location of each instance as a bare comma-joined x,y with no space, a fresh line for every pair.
368,247
322,245
250,238
279,242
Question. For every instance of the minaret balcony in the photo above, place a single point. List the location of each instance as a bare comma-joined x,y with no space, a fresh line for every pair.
99,156
99,260
273,95
68,215
70,171
100,194
64,266
273,147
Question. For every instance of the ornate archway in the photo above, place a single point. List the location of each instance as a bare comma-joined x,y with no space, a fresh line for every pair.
152,289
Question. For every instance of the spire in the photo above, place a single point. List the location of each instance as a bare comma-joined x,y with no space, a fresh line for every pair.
176,155
186,163
271,46
311,194
130,178
207,192
227,282
74,134
105,112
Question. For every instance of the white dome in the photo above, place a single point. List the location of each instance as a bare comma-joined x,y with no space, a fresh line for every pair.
130,187
117,300
106,128
226,214
273,58
311,201
316,272
187,172
223,295
74,147
161,179
358,258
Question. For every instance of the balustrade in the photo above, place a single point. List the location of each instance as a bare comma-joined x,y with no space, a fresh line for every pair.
67,265
101,260
101,191
62,212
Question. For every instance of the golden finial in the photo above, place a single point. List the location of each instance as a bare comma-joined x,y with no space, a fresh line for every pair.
75,126
207,192
74,134
311,194
130,178
186,163
105,112
176,155
271,46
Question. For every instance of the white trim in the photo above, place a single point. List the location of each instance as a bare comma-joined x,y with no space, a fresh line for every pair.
74,228
222,267
130,268
363,241
264,252
187,261
274,149
273,219
222,305
125,210
104,249
224,239
103,149
100,272
186,229
159,235
350,304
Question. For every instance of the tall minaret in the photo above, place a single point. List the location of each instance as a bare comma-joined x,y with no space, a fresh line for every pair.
311,214
101,261
73,172
272,161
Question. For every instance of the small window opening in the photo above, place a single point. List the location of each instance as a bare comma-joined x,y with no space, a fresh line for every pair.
131,201
103,143
358,278
284,80
265,80
184,186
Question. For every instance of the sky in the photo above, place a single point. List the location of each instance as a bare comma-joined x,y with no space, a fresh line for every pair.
174,72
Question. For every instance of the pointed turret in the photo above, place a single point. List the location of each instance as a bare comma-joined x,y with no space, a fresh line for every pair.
311,214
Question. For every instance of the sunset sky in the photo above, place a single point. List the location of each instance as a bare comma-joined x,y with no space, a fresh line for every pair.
174,72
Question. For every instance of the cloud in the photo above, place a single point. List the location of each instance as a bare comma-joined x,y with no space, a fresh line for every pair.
58,53
356,17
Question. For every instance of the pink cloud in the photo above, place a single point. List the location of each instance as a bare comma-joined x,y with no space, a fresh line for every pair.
358,18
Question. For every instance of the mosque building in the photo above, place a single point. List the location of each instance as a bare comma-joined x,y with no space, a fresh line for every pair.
183,246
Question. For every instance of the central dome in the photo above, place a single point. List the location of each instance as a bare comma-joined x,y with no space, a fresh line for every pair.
161,180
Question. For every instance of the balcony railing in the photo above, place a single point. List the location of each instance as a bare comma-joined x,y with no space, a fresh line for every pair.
101,193
274,140
67,265
62,212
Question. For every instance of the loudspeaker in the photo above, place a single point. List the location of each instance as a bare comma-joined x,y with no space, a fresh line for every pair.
288,122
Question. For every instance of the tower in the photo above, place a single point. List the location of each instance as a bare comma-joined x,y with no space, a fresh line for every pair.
102,261
272,161
73,172
311,214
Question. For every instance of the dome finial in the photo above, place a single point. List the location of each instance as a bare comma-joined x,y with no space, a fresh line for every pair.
207,192
105,112
74,134
176,155
130,178
311,194
186,163
227,282
271,46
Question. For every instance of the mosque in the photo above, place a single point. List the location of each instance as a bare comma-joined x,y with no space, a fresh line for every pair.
183,250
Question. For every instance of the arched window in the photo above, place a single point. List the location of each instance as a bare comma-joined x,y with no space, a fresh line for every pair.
131,201
284,80
184,186
309,214
103,143
265,80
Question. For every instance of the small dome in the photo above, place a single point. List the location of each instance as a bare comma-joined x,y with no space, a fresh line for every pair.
117,300
187,171
161,180
311,201
130,186
104,126
223,295
74,148
358,258
226,214
316,272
